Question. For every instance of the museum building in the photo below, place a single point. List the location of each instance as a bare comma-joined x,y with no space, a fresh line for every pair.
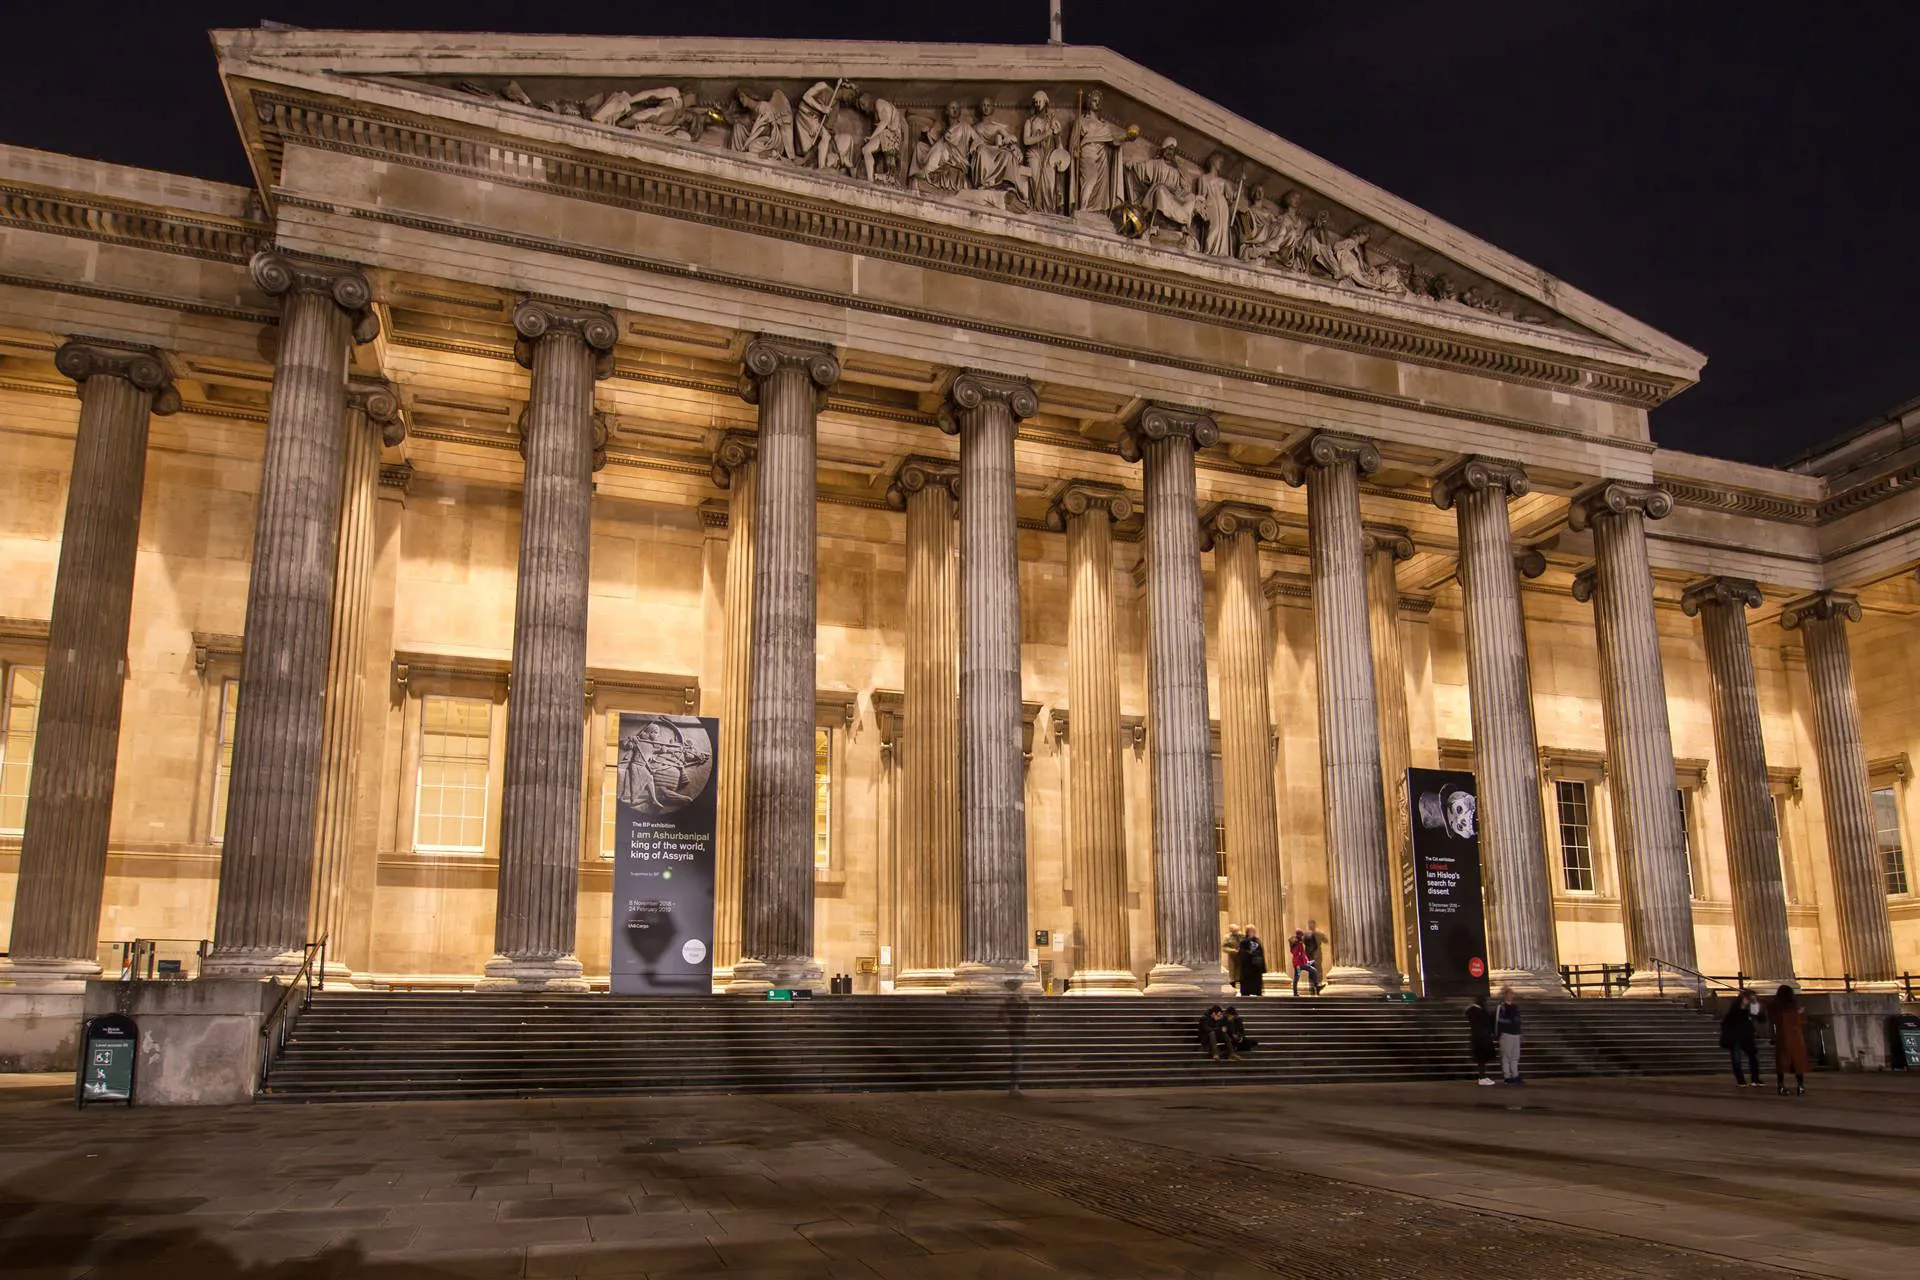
1078,507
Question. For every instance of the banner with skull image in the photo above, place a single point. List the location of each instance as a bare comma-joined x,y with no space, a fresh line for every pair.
663,855
1445,819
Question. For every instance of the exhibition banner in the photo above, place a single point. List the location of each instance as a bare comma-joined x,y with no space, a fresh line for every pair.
663,855
1444,816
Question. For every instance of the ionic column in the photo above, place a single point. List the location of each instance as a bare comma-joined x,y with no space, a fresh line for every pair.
1657,907
373,420
1518,899
63,851
1096,795
563,442
1385,547
1746,797
733,470
787,380
1234,532
1859,881
930,876
1186,891
1360,884
984,410
266,860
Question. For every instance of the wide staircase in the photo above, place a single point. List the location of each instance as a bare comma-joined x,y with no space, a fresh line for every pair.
368,1046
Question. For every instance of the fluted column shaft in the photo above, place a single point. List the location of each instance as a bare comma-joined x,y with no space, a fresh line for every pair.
1246,719
536,911
266,860
1657,906
984,410
63,851
928,949
1186,888
1359,871
1096,798
373,418
1519,902
1746,798
1385,547
1859,880
776,931
733,470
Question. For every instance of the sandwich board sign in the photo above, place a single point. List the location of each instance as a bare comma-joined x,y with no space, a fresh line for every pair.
109,1046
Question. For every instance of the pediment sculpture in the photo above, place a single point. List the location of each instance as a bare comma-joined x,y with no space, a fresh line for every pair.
1044,161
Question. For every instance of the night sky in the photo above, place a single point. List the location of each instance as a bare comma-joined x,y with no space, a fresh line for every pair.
1730,173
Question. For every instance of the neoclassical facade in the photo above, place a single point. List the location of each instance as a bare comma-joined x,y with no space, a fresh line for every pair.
1078,506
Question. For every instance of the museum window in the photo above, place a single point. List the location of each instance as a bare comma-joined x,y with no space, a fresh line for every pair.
822,799
1886,839
1219,817
610,784
19,724
1683,801
223,760
1790,882
450,802
1576,836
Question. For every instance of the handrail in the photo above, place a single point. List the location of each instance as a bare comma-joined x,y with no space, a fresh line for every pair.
1696,981
278,1024
1612,979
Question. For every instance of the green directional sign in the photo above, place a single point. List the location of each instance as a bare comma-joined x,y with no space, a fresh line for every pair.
1910,1046
109,1046
782,994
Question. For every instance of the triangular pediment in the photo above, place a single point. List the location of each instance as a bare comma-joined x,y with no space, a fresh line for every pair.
1068,147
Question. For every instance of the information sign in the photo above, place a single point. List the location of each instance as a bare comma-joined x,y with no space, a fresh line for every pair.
663,856
109,1046
1443,814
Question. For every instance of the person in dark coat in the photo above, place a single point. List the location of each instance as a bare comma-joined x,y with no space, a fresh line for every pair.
1789,1040
1480,1038
1253,963
1506,1026
1213,1034
1237,1038
1739,1036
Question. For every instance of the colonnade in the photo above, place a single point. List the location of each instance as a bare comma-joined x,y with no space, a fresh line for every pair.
964,926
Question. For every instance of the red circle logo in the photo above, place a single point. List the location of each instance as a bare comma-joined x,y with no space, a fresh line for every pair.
1476,968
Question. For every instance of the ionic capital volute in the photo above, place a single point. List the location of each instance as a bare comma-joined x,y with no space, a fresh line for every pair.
1617,498
737,449
1529,562
1083,497
917,474
1386,540
1475,473
1735,593
83,358
279,273
1224,521
1166,421
766,354
1330,449
972,388
1585,583
537,318
376,398
602,432
1821,606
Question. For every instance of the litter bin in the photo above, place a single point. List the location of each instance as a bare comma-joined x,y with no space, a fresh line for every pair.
1904,1031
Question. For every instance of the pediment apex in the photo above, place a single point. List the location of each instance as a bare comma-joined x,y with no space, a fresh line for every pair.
1407,262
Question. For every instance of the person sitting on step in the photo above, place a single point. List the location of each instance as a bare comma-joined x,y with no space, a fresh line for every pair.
1237,1038
1213,1034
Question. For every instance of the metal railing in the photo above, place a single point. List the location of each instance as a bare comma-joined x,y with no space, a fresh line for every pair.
1604,980
153,959
293,1002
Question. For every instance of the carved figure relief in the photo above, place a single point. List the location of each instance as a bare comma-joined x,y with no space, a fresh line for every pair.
1051,163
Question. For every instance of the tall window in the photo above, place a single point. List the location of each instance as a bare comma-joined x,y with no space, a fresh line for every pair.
1576,837
223,759
1686,839
1219,817
1787,878
19,724
450,809
822,799
1886,838
610,786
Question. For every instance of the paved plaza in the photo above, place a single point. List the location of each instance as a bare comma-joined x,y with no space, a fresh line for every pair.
1563,1179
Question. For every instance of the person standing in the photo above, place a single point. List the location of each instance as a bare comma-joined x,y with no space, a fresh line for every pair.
1506,1024
1740,1038
1314,938
1014,1013
1480,1038
1789,1040
1232,947
1253,963
1297,956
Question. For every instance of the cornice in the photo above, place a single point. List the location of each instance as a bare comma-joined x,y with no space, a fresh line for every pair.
98,218
1702,497
631,183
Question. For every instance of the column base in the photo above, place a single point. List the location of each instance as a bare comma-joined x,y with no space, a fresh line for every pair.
1104,982
923,982
1353,980
49,977
1525,982
757,977
252,964
973,979
1179,980
504,973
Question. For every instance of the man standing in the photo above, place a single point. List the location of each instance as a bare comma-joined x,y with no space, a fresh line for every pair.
1312,938
1506,1021
1232,948
1013,1016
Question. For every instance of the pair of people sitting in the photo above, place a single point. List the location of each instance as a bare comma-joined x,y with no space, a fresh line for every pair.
1223,1034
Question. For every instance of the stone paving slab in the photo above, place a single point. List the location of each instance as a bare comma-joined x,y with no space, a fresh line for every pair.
1567,1179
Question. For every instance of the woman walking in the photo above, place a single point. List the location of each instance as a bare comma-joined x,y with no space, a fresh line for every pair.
1789,1040
1740,1038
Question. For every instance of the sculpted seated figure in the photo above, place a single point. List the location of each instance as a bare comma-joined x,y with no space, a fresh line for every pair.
1163,189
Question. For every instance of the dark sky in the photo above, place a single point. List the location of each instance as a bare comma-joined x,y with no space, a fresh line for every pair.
1731,173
